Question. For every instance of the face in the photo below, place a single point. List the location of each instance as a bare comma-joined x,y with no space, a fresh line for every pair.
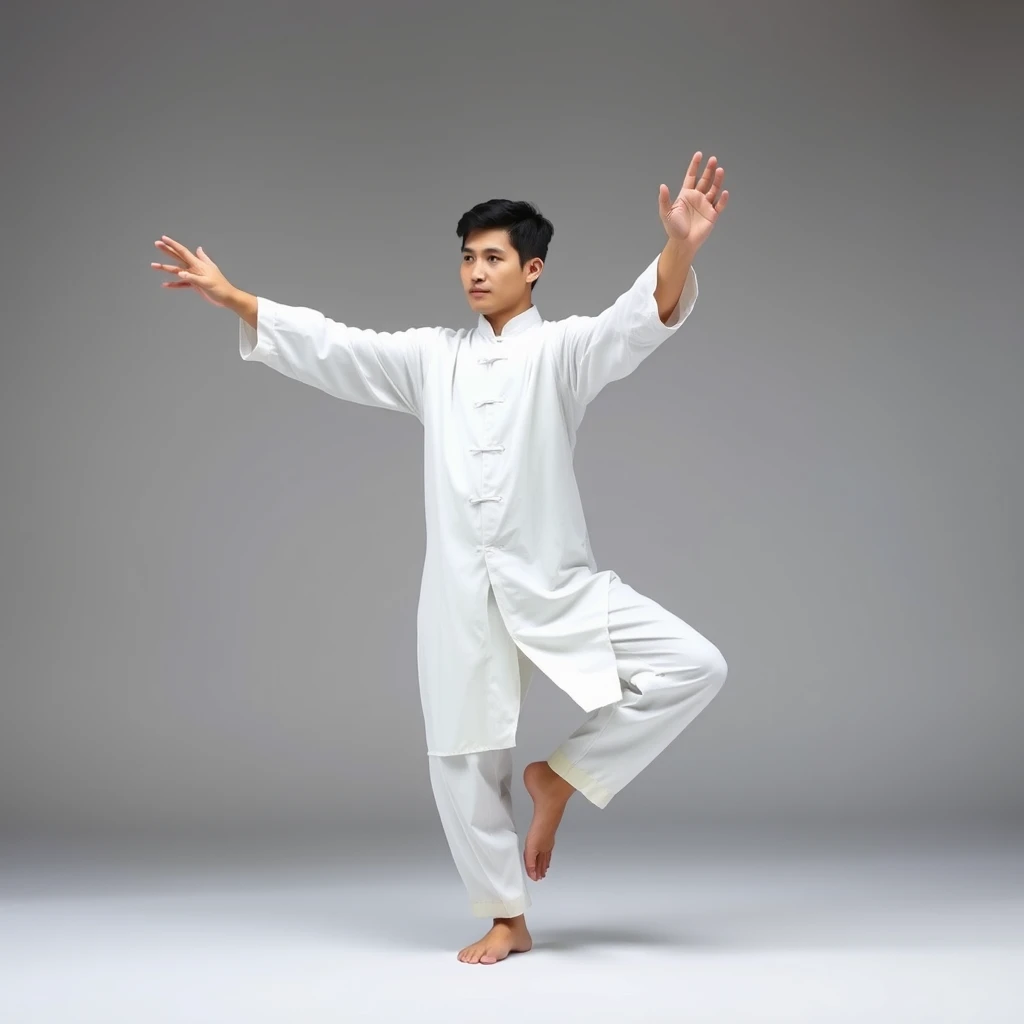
491,264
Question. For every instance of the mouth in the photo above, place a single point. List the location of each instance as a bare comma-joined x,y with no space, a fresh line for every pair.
478,291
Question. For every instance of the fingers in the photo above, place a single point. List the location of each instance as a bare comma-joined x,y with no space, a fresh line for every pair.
184,277
690,180
708,176
176,249
716,184
167,251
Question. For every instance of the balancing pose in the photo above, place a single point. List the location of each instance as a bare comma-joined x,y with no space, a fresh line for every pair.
509,579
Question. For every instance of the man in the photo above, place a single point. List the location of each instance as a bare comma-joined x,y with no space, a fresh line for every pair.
509,579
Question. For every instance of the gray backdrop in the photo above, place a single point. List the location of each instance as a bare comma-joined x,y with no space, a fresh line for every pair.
210,572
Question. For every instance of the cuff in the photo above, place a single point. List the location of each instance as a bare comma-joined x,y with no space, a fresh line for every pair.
505,908
579,779
254,342
649,281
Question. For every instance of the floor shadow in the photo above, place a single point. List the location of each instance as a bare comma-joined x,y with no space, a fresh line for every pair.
563,939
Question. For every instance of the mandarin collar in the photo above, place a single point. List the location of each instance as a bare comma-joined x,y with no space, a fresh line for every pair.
521,322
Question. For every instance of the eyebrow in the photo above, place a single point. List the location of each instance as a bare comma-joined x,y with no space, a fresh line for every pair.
490,248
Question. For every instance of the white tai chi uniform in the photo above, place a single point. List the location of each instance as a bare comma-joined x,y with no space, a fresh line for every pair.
508,569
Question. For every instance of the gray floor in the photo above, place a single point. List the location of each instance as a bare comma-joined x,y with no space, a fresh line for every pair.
724,927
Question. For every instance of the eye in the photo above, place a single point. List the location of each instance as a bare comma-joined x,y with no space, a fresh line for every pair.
492,257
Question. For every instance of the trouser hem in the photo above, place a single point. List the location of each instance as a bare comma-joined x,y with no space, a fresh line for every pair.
502,908
576,777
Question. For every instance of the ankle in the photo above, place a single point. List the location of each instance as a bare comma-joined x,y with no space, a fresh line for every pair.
512,922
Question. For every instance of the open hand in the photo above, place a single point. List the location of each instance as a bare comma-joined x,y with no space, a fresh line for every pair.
193,270
693,214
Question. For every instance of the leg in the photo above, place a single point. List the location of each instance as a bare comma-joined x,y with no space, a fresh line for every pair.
670,674
474,802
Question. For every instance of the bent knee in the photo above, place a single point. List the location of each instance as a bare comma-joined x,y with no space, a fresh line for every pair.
705,668
715,667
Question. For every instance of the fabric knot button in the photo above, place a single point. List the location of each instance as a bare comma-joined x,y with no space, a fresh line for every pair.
487,360
495,448
476,501
488,401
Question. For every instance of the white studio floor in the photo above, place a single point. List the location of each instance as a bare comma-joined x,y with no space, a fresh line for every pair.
639,929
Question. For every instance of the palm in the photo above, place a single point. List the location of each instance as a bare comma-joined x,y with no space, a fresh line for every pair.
693,213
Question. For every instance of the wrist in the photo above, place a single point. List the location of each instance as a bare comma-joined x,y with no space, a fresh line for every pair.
681,249
243,304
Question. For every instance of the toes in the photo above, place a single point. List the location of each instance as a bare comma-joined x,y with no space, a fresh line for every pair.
530,859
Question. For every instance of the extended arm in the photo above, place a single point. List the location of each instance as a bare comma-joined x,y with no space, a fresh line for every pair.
378,368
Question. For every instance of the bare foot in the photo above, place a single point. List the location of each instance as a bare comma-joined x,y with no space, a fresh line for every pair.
509,935
550,794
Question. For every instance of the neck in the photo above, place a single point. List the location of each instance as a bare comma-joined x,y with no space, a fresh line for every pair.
499,320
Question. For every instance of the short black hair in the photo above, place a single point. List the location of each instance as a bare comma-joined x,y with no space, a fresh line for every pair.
529,231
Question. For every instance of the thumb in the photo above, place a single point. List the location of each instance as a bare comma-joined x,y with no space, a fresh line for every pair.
663,204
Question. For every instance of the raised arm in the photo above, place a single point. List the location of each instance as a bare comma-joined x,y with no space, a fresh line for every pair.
594,350
377,368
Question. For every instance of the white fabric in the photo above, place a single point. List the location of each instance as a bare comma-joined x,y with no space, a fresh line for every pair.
503,512
474,801
669,673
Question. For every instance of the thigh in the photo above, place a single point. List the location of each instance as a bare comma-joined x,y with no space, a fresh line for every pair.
647,637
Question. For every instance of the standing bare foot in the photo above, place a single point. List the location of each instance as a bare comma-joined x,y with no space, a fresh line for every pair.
509,935
550,794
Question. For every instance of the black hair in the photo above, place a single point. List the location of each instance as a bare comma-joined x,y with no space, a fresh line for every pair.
529,231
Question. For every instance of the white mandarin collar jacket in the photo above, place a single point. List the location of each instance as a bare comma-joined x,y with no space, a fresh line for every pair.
508,569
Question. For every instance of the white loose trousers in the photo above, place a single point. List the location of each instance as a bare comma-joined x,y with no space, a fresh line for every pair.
669,673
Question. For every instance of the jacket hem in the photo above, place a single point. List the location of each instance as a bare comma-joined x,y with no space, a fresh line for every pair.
470,750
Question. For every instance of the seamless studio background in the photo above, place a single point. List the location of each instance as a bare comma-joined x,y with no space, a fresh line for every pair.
210,572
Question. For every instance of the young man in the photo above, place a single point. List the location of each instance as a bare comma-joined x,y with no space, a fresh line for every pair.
509,579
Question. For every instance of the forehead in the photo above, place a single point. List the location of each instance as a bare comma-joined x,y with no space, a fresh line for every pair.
488,240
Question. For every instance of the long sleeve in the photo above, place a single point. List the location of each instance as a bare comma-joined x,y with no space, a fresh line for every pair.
378,368
595,350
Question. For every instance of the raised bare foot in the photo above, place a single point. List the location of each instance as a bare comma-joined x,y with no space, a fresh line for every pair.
509,935
550,794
